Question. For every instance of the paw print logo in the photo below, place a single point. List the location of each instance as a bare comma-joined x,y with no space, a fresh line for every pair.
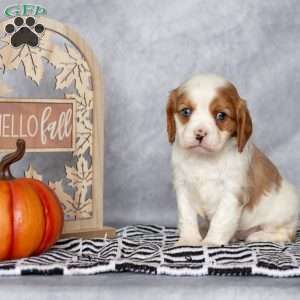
24,32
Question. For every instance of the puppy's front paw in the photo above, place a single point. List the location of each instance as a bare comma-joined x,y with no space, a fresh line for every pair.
212,243
188,242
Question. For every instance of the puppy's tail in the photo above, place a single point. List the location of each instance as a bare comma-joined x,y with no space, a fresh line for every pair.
4,89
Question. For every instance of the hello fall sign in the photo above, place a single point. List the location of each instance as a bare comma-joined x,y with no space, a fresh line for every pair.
44,124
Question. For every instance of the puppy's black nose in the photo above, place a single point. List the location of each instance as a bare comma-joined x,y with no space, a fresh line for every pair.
199,137
200,134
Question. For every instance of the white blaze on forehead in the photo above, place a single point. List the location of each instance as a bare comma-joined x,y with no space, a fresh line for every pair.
203,87
201,90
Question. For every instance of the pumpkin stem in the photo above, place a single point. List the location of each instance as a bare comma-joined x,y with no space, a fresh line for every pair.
11,158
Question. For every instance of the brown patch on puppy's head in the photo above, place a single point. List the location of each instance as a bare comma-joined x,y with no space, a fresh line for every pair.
244,125
170,110
227,107
232,115
177,102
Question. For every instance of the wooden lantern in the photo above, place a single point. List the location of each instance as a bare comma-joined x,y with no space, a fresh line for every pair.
63,135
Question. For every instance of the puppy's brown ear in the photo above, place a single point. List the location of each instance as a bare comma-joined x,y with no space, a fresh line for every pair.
244,124
170,110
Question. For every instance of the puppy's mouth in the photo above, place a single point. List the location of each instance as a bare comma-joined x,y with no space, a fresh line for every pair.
201,147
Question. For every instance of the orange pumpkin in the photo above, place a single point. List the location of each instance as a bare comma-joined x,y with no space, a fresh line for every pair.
31,218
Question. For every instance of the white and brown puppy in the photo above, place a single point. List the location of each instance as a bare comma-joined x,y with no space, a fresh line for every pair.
219,174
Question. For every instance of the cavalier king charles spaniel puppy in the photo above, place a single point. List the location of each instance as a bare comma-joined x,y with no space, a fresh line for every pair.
219,174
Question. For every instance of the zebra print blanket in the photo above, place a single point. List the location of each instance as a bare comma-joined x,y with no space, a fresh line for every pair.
150,249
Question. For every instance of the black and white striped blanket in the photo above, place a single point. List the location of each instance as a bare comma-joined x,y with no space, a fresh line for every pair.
150,249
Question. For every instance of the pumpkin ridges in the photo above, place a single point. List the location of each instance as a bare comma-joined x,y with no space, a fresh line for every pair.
6,237
48,230
53,214
12,223
43,246
56,214
29,223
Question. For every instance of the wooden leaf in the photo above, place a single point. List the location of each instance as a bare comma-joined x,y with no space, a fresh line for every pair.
73,67
83,205
85,209
84,103
65,77
77,208
76,55
72,175
56,56
65,199
32,173
84,127
29,57
84,171
81,176
11,57
33,65
84,137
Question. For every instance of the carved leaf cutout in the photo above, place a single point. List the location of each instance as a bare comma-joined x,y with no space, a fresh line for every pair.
72,66
81,176
84,137
84,104
32,173
77,208
84,207
29,57
65,199
56,56
33,65
84,127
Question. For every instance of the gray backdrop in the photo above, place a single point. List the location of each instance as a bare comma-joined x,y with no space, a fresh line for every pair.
147,47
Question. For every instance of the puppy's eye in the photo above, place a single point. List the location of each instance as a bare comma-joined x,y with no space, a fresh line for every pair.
221,116
186,112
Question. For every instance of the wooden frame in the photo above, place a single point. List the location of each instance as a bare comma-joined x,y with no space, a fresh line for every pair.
86,227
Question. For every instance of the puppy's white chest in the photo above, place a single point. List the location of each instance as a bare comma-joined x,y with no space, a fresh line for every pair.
207,180
205,185
209,195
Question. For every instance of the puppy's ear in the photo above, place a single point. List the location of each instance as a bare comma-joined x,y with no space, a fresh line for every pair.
244,124
170,110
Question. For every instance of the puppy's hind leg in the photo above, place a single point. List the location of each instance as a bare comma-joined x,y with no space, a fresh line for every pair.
281,234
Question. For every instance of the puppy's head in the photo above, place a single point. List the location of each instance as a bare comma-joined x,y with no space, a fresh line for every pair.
205,112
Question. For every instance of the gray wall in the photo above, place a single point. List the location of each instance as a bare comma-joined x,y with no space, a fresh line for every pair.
148,47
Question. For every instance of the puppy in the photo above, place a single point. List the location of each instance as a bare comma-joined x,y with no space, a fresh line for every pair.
219,174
